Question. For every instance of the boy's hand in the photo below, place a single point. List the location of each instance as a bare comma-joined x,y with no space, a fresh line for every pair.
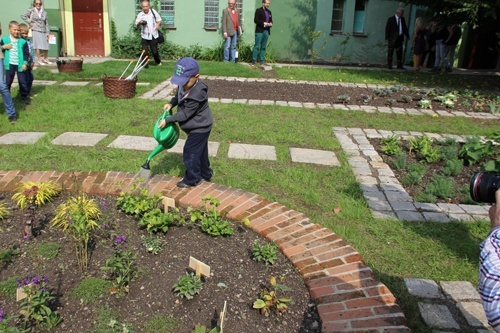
167,107
24,67
7,46
162,124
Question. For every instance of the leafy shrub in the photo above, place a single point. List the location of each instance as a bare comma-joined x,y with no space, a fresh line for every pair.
449,152
8,287
425,149
91,289
48,251
423,196
418,168
152,244
6,256
265,253
155,221
474,150
137,204
391,145
212,223
187,286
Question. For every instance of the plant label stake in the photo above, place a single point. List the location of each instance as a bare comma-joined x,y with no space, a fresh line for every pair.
167,202
199,267
221,317
20,295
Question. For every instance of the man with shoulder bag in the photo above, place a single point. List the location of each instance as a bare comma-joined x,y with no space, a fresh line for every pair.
149,21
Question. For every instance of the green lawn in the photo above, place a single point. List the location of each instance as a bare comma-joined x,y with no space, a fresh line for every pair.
393,249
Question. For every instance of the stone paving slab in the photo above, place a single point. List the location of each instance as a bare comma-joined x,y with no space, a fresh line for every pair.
314,156
460,290
44,82
437,315
21,137
473,313
213,147
75,83
423,288
256,152
78,139
134,143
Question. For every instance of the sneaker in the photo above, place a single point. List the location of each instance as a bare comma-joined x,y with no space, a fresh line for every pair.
40,63
184,185
207,179
47,61
26,100
13,119
160,64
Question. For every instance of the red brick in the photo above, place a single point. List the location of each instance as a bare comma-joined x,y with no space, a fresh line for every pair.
379,322
322,291
380,289
386,300
324,248
328,239
268,231
346,268
269,223
334,327
359,284
347,314
399,329
341,297
290,251
240,212
304,263
336,253
388,309
332,307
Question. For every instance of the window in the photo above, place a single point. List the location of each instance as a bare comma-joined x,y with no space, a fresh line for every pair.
167,13
359,17
211,15
337,15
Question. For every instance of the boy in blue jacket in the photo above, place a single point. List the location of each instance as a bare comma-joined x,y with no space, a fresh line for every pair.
16,54
194,118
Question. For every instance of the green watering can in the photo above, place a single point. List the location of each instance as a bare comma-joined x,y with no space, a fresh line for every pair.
166,137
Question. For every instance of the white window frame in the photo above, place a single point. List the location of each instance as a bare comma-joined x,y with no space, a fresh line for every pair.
211,16
167,13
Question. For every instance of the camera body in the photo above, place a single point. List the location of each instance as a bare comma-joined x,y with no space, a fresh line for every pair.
483,186
144,23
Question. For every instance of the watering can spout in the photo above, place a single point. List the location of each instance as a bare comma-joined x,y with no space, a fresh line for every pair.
166,138
145,166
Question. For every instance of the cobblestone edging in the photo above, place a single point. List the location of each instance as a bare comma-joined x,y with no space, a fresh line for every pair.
386,197
348,296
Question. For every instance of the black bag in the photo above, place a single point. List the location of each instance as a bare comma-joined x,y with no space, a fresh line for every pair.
161,38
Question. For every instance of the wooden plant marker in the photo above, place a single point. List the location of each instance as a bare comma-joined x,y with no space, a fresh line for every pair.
167,202
199,267
20,295
221,317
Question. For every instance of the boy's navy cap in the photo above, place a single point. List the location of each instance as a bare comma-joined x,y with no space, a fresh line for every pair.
183,70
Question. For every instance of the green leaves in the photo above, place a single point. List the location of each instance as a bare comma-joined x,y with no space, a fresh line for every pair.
264,253
269,301
187,286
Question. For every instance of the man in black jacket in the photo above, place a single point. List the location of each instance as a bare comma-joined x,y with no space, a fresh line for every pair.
395,32
263,22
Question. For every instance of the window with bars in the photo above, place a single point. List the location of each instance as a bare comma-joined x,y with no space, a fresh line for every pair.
337,15
167,13
211,14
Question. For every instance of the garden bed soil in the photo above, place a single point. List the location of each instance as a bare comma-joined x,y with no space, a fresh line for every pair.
235,278
461,182
327,94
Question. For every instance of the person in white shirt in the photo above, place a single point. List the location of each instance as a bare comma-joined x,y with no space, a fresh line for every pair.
149,21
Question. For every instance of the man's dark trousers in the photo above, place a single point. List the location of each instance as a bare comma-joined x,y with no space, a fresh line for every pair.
395,43
153,44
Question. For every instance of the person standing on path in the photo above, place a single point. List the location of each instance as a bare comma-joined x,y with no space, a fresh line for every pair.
489,267
395,32
418,43
4,90
149,21
230,26
263,22
36,17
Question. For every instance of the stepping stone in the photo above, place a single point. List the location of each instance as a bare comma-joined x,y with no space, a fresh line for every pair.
44,82
436,315
423,288
74,83
213,147
460,290
134,143
78,139
249,152
21,137
473,313
314,156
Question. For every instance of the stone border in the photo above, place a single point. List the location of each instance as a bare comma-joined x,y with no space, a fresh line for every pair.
385,196
348,296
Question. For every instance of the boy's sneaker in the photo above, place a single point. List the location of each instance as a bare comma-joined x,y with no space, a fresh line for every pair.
26,100
13,119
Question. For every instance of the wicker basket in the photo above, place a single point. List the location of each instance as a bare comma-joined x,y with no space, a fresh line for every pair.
69,66
116,88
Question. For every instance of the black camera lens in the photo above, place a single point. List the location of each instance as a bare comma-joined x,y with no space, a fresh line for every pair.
483,186
144,23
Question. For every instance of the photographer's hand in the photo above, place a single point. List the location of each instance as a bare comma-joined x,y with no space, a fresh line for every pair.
494,211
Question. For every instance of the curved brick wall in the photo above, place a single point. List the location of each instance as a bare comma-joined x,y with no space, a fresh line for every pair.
348,296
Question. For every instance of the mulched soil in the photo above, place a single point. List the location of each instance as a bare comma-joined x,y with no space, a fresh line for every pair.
314,93
150,294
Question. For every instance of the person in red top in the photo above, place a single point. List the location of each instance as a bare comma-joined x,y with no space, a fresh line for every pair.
230,29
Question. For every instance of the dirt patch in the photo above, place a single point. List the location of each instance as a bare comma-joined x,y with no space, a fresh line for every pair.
236,278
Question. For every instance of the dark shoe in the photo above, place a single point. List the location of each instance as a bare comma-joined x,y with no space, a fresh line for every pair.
13,119
184,185
26,100
435,70
207,179
448,70
402,68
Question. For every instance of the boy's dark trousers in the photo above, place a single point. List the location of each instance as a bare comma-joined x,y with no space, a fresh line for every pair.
21,77
195,156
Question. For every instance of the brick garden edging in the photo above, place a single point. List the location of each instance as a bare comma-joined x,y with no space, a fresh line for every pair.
348,297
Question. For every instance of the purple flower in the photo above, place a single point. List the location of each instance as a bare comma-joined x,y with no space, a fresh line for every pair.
121,239
104,226
104,204
2,313
35,280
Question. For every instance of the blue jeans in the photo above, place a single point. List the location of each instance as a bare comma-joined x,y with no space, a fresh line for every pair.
6,97
230,47
440,54
195,157
259,49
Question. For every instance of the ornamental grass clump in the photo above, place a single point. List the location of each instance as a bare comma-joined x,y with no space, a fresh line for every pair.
78,217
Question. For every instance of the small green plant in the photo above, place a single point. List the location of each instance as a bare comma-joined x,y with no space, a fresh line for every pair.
391,102
48,251
411,178
344,98
474,150
116,327
7,255
155,221
451,97
152,244
160,323
448,103
4,323
269,300
212,223
449,152
452,168
137,203
425,104
440,186
425,149
392,145
202,329
406,98
121,266
187,286
39,193
418,168
264,253
365,98
399,163
35,307
91,289
4,212
8,287
77,217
